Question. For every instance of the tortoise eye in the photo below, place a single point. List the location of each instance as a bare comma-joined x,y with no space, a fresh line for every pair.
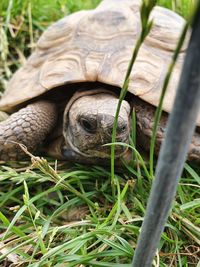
89,125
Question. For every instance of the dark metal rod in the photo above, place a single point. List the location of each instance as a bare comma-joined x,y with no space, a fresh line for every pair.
173,152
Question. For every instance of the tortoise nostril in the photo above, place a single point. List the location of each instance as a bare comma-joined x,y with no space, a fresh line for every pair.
88,124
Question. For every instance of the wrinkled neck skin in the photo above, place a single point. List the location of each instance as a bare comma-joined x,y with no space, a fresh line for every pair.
88,124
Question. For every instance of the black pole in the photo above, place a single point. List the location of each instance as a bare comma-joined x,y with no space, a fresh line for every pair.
173,152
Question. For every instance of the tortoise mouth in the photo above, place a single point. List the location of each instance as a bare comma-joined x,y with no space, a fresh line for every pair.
74,156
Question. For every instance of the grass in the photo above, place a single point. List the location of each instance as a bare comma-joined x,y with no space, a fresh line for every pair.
41,203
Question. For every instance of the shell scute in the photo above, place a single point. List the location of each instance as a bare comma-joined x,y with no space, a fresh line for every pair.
96,45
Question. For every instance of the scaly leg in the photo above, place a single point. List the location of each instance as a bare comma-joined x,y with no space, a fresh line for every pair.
29,126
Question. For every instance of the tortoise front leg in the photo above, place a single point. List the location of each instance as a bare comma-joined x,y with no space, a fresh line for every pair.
145,114
29,126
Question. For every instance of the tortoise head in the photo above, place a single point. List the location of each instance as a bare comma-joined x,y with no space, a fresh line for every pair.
88,126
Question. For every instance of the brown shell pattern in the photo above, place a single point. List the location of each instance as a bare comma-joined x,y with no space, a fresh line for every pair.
97,45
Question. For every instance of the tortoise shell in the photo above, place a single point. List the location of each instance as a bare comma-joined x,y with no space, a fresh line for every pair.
96,46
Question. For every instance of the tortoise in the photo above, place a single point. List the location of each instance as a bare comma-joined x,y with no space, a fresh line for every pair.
63,100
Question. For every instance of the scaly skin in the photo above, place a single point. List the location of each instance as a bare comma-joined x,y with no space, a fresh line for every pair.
29,126
145,119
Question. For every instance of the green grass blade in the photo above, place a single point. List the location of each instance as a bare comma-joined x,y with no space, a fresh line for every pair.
164,89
